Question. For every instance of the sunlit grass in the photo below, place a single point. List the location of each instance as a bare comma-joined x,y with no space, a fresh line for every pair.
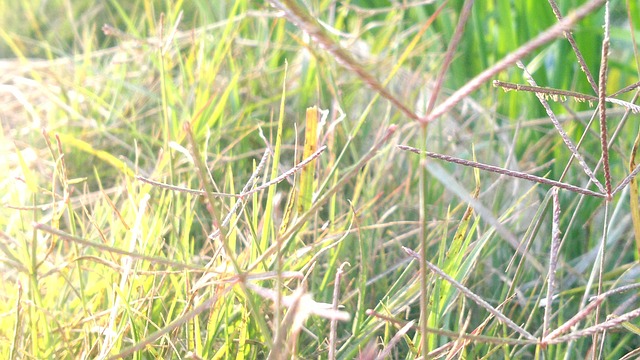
136,223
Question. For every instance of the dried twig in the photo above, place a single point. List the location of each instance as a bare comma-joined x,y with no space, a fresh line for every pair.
565,138
333,332
553,261
574,46
242,194
319,202
451,49
502,171
557,94
475,298
553,32
602,95
306,22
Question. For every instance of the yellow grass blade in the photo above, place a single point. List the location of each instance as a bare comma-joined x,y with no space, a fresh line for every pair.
29,176
102,155
307,176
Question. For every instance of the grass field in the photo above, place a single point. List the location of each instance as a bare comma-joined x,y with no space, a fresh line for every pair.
319,179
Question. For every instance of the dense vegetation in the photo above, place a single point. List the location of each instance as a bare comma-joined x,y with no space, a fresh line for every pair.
310,179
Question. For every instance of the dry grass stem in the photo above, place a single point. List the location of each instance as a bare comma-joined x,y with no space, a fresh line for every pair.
302,19
322,200
475,298
142,344
555,31
602,107
242,194
553,261
565,138
574,47
456,335
269,254
386,352
561,95
502,171
333,332
451,50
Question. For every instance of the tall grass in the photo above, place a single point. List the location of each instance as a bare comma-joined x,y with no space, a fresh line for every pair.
172,191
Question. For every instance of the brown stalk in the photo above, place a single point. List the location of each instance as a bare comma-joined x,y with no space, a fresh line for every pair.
243,193
306,22
502,171
318,203
472,296
333,332
557,94
612,323
574,46
602,107
553,32
565,138
455,335
617,131
553,261
602,90
451,49
573,321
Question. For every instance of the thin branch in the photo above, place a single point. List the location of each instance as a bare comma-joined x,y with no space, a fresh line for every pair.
602,90
243,195
573,321
106,248
623,121
627,89
553,260
553,32
180,188
454,334
499,170
619,290
272,182
472,296
319,202
333,331
626,180
574,46
451,49
306,22
561,95
613,322
565,138
386,352
596,301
